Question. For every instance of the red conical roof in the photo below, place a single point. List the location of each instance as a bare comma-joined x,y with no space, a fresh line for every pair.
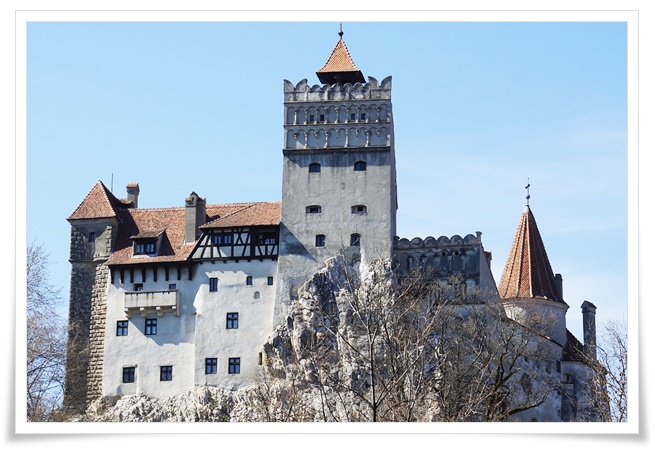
527,272
339,67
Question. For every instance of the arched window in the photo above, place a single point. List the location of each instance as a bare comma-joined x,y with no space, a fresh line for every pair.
314,168
358,209
313,209
355,239
320,240
360,166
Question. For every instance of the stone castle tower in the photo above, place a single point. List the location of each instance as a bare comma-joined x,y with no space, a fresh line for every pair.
339,171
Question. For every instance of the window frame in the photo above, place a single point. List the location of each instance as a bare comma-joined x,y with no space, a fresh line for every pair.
232,321
358,209
129,374
234,366
313,209
269,281
122,327
150,328
165,373
248,280
211,366
213,284
355,240
320,240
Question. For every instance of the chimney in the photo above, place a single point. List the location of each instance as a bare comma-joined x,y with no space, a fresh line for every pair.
195,216
589,329
558,284
133,194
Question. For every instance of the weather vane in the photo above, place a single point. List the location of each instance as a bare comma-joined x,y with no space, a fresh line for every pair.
527,197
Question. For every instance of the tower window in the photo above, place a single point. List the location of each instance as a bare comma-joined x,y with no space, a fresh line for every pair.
232,321
352,116
234,365
362,116
92,237
321,117
213,284
355,239
249,280
360,166
358,209
314,168
313,209
138,286
270,281
311,117
320,240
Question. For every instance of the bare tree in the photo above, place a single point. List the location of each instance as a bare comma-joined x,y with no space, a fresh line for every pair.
46,338
376,347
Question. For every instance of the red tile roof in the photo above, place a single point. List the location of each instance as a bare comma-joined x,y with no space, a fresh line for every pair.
149,222
263,213
99,203
527,272
340,62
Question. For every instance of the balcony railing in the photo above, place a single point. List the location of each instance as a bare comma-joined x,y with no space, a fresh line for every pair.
148,302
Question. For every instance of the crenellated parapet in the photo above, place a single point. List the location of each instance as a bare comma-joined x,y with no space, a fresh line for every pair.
338,116
443,255
303,92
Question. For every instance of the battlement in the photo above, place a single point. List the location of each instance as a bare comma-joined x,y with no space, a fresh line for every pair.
303,92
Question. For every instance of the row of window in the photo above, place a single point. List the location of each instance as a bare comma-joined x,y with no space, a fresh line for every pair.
226,238
213,283
166,372
150,325
139,286
359,166
321,117
317,209
355,240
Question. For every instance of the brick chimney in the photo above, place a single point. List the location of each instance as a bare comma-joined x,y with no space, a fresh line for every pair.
589,329
133,194
195,216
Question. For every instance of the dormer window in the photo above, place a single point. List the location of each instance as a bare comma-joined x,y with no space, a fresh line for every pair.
145,248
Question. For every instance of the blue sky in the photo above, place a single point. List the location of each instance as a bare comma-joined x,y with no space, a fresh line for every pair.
478,108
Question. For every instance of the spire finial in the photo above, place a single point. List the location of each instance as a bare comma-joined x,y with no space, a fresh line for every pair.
340,31
527,197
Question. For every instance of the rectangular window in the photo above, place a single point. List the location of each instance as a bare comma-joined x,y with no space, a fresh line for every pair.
211,365
355,239
151,327
213,284
249,280
311,117
222,239
144,248
128,374
267,239
362,116
270,281
234,365
321,117
121,328
172,286
92,237
320,240
138,286
165,373
232,320
352,116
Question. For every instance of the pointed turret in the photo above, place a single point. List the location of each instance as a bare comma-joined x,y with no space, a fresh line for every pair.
527,272
531,293
98,203
339,67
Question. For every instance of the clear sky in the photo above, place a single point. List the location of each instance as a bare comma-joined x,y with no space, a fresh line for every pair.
479,107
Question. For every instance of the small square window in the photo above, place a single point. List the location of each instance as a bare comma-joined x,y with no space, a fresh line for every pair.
234,365
320,240
151,327
213,284
172,286
128,374
121,328
211,365
270,281
249,280
138,286
232,321
165,373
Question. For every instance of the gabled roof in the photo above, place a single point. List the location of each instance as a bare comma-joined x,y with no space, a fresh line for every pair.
262,213
339,67
99,203
527,272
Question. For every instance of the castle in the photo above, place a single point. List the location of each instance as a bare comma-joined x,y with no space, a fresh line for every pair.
163,300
